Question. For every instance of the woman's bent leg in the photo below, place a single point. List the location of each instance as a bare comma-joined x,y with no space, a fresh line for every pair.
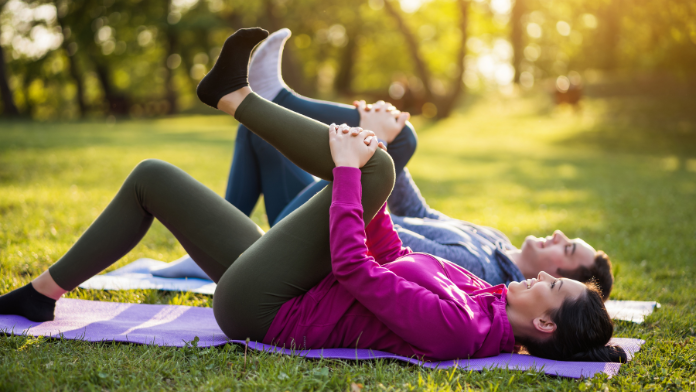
303,141
213,232
289,259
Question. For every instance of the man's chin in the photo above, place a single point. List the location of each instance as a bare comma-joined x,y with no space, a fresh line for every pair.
528,243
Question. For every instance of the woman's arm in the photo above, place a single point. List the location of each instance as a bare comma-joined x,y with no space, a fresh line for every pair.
350,149
383,242
438,326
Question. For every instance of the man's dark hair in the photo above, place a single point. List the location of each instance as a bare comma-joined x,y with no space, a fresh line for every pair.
583,329
599,272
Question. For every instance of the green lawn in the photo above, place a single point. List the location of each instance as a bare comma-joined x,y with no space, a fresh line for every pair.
620,173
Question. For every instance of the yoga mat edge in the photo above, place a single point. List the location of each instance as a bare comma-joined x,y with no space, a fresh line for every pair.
179,326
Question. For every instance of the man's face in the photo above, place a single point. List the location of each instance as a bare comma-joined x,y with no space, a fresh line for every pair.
556,252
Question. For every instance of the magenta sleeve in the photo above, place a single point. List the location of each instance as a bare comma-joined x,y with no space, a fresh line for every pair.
383,242
439,327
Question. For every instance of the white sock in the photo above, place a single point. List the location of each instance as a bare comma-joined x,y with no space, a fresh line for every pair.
184,267
265,77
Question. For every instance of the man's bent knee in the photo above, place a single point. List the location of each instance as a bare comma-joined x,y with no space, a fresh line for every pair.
408,137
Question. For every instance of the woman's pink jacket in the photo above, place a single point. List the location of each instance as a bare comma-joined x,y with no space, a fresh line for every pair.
384,297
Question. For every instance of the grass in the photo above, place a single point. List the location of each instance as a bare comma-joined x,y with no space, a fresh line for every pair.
620,173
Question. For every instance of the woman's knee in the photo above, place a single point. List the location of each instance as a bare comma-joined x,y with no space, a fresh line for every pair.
151,169
151,166
380,171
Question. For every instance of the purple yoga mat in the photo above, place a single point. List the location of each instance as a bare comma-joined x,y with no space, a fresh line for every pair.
171,325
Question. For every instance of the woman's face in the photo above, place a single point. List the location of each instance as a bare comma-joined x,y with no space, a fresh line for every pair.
534,298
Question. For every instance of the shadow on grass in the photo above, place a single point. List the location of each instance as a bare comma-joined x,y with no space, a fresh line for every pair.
19,135
654,117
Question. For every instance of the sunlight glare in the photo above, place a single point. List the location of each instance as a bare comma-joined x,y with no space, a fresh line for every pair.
410,6
527,80
563,28
534,30
562,84
590,21
501,6
532,52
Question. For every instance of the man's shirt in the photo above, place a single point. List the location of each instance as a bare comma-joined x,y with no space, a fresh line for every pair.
479,249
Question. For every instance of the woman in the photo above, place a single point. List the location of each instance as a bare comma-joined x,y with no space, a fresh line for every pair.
319,278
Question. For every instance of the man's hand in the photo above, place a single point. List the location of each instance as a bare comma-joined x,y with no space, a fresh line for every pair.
352,147
382,118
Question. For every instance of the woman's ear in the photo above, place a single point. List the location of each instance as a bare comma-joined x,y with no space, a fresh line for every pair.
544,324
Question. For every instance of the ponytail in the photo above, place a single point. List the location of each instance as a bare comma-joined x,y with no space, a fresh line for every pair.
601,354
583,329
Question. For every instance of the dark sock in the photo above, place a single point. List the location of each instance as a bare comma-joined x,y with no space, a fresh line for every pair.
27,302
232,67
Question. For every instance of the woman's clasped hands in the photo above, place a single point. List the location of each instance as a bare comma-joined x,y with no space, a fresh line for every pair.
352,146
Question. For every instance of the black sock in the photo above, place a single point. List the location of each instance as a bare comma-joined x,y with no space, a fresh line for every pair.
232,67
27,302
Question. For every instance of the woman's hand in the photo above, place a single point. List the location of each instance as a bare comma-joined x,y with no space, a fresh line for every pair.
382,118
352,147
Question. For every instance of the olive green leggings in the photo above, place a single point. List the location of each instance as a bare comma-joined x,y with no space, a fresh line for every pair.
256,273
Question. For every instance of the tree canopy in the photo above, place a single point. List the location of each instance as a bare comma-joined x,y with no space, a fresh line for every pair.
72,58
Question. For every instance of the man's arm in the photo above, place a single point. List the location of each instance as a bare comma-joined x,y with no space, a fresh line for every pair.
406,200
457,254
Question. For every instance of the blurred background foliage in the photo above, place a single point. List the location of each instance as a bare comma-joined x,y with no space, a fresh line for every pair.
68,59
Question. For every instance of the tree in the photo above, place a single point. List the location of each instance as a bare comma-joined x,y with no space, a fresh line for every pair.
68,46
444,104
172,41
517,36
412,46
8,106
447,104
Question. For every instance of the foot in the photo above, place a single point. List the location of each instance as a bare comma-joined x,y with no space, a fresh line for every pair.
230,71
265,76
29,303
184,267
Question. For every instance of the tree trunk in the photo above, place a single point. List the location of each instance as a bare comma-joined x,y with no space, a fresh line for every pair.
447,105
171,96
79,84
28,106
517,36
172,46
610,28
412,45
8,106
345,72
73,68
118,104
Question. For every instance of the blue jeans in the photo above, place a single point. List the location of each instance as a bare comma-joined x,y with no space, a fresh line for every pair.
258,168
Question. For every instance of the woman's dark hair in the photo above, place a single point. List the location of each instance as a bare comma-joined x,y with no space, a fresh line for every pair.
583,329
599,272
